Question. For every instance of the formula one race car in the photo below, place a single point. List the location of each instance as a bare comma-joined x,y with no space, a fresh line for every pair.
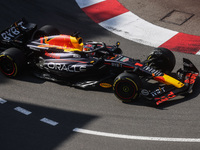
65,58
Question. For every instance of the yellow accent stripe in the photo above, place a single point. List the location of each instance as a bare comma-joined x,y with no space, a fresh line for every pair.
172,81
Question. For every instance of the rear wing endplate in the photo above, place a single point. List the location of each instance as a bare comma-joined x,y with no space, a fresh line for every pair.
17,28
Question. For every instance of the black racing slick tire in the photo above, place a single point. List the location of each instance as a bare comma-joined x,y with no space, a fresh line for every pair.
127,87
162,59
12,61
46,30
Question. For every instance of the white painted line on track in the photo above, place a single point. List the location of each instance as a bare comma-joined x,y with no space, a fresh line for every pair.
132,27
132,137
27,112
22,110
48,121
2,101
86,3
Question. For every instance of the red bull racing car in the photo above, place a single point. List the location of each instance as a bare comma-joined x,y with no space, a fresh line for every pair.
65,58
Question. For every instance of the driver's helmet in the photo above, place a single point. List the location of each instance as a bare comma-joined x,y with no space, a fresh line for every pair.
88,47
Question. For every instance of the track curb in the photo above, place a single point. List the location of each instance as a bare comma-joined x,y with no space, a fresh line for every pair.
113,16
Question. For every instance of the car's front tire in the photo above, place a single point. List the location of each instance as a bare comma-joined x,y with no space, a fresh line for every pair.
127,87
162,59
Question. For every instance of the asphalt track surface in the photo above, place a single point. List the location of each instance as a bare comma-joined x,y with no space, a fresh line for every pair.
30,100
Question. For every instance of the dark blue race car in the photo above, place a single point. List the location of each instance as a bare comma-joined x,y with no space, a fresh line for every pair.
65,58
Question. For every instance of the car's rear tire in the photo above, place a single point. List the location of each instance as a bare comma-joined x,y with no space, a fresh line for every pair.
12,61
162,59
127,87
46,30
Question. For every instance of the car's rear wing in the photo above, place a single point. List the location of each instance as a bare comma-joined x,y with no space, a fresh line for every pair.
17,29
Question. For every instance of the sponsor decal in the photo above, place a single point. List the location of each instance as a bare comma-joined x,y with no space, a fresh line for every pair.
144,92
12,31
118,58
162,99
190,78
152,71
105,85
124,59
65,67
65,42
116,64
158,91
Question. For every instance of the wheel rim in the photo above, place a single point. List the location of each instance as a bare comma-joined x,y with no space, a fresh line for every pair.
125,90
7,66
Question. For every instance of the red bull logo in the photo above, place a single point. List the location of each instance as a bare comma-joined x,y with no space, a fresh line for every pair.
65,42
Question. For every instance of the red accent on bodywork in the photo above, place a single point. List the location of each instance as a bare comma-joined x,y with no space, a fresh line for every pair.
164,98
139,64
128,66
61,40
52,55
110,57
190,78
107,63
159,79
41,40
